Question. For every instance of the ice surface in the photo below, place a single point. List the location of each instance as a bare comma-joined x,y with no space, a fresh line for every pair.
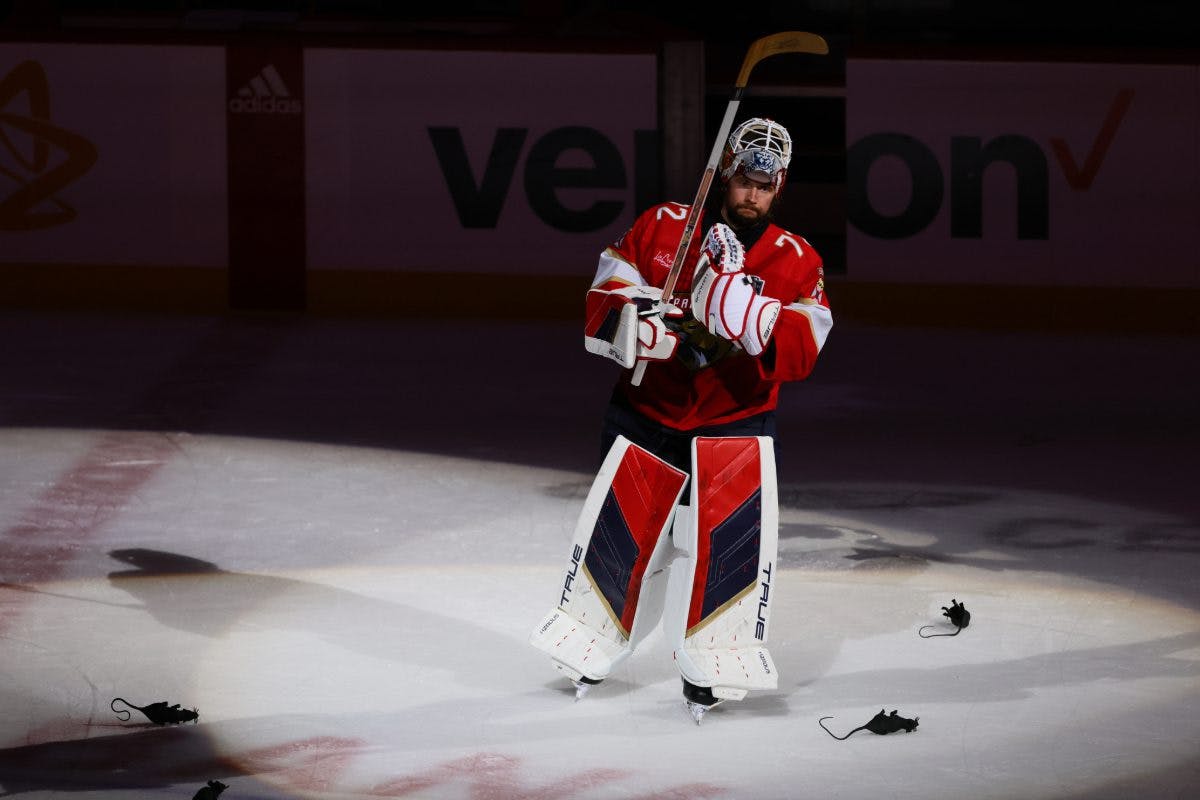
334,544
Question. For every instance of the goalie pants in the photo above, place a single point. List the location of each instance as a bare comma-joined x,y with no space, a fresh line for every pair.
671,445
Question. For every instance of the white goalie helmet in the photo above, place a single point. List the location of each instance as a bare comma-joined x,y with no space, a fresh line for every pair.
760,149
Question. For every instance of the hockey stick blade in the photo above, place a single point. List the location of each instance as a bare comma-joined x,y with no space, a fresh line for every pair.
776,43
767,46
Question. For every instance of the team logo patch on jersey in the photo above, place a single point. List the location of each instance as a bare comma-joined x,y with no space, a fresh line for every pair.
663,259
818,292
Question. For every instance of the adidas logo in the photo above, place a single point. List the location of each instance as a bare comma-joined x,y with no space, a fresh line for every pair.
266,93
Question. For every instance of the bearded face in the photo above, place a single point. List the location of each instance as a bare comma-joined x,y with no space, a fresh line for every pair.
747,201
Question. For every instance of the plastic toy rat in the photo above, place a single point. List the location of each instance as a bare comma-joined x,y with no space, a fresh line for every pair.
210,792
959,617
881,724
159,713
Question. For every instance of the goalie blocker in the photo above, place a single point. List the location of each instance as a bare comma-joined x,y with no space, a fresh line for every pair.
705,570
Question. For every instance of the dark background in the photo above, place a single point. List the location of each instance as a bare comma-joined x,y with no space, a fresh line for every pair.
1146,24
806,95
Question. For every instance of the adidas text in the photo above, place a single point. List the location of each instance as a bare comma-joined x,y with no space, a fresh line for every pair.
265,105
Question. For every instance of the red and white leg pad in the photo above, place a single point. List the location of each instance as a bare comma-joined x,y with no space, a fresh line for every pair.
719,598
612,593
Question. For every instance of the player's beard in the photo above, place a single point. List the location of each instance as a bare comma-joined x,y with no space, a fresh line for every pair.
745,215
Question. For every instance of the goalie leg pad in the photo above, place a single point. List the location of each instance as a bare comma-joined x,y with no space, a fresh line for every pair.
718,605
618,550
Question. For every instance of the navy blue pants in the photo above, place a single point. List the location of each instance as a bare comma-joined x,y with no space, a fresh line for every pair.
674,446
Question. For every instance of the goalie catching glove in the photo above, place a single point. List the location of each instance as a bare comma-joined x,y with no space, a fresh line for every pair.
727,300
625,325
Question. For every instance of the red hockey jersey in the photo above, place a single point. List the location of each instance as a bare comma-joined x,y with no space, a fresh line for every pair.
737,385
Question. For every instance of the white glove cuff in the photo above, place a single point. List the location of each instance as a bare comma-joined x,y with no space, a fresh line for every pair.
760,324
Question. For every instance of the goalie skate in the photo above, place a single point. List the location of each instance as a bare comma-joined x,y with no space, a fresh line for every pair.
611,595
699,700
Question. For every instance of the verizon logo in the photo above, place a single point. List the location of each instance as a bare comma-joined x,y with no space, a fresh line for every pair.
266,93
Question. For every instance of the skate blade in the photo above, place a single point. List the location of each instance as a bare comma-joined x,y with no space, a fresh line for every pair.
581,689
698,710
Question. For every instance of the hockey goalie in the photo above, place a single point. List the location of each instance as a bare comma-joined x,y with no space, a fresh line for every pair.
680,527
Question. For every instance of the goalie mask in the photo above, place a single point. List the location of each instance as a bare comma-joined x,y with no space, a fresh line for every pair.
760,149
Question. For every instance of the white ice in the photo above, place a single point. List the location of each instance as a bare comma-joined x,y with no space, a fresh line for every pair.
334,544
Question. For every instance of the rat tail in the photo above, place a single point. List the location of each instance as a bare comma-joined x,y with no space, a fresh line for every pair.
932,635
821,722
120,711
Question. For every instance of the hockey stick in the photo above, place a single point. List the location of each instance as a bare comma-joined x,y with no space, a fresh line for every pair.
767,46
